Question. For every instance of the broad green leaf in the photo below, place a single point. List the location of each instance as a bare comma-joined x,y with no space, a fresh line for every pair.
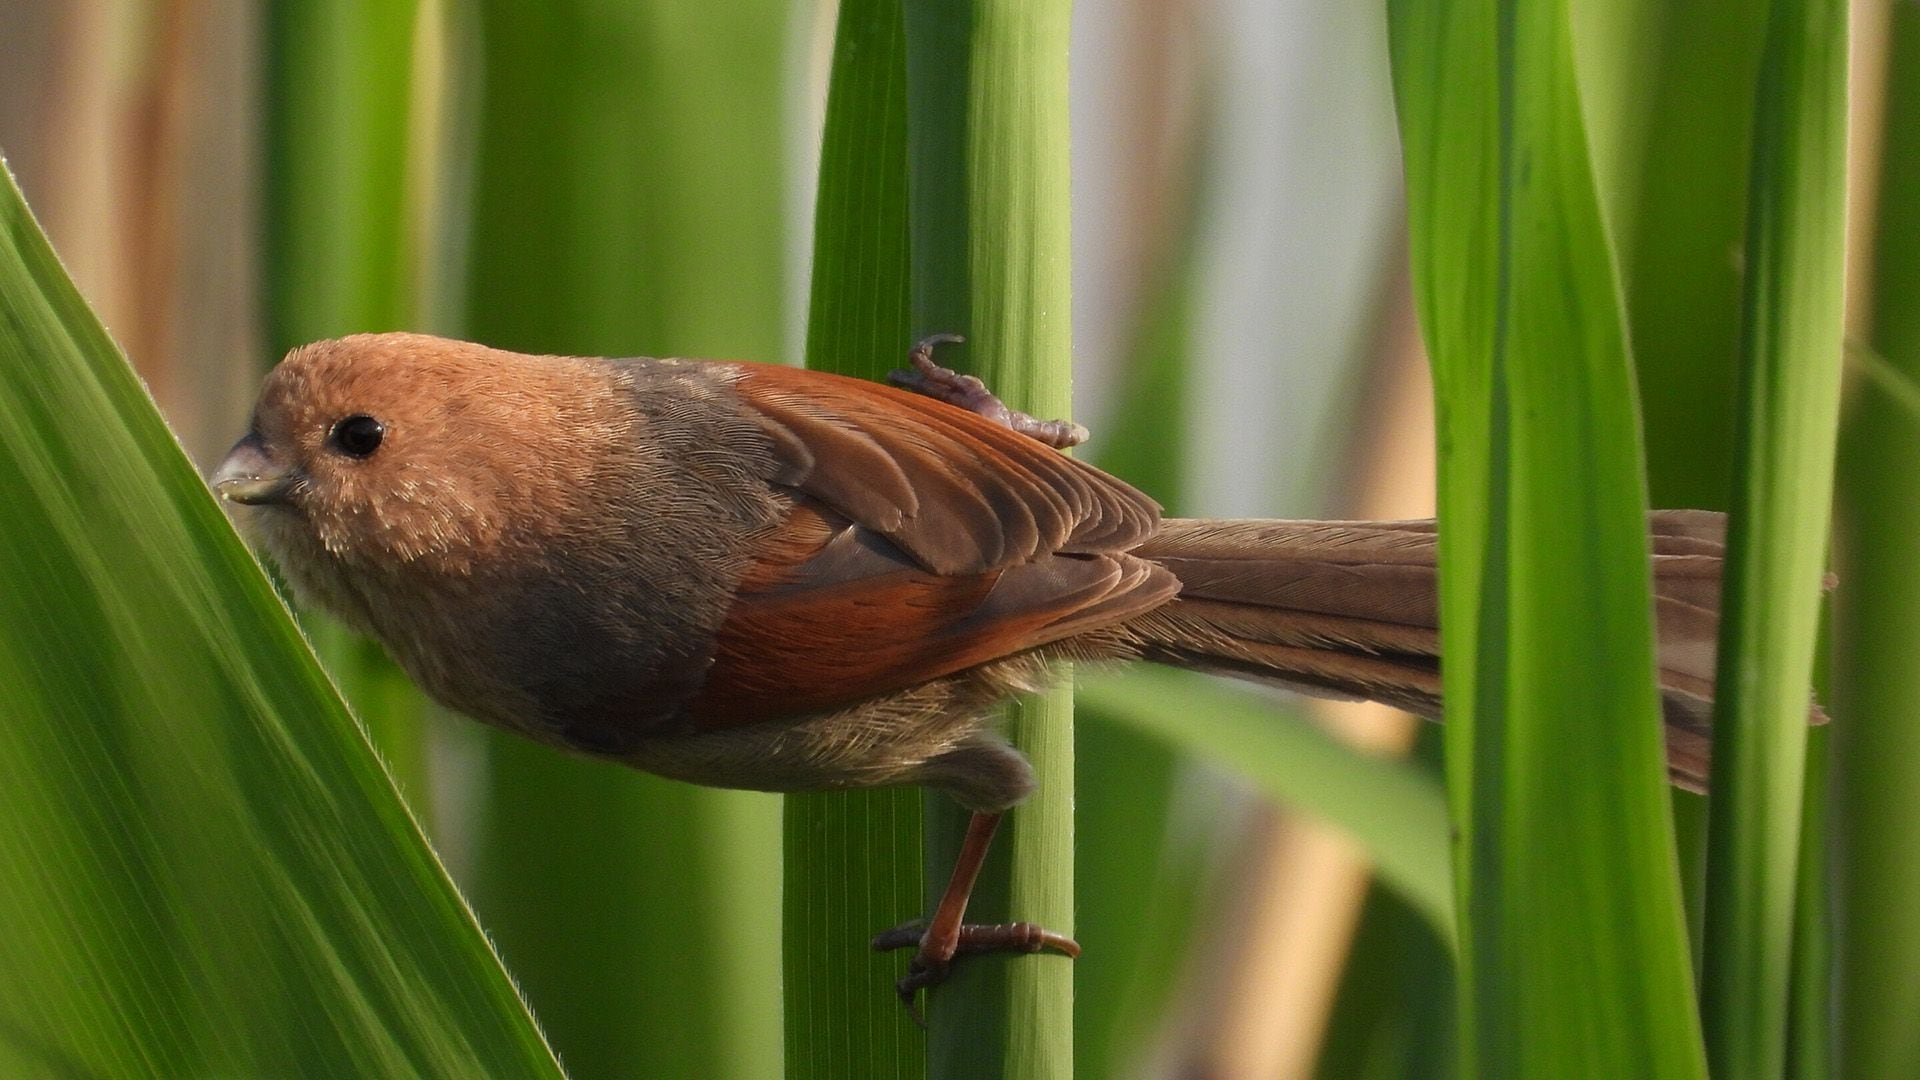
987,160
1573,955
1788,412
1389,806
204,870
627,195
853,858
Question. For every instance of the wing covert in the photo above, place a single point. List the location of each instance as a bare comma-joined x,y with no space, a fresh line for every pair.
956,492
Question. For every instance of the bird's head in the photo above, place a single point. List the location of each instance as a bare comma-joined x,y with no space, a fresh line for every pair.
390,449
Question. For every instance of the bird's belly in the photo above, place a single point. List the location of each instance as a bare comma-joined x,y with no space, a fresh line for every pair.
582,680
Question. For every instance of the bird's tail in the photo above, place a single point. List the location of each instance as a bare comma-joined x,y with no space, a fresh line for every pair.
1351,610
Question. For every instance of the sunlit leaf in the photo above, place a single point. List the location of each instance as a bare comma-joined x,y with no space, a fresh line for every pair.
203,869
1574,958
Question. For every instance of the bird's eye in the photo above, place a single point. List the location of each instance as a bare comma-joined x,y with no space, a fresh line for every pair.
358,435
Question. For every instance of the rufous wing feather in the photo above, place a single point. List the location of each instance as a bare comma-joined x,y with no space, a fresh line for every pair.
834,614
955,492
923,541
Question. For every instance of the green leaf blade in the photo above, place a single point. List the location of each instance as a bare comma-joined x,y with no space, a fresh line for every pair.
989,230
1793,312
1574,956
853,858
206,869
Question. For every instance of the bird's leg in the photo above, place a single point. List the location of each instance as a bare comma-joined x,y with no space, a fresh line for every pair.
947,936
969,393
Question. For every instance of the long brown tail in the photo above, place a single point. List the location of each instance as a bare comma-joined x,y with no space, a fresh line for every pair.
1350,610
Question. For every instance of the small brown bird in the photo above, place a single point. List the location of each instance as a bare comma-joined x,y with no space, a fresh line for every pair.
754,576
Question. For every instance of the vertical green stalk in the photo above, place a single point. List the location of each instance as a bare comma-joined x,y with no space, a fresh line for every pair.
627,199
1777,538
1573,956
1678,207
1877,620
853,858
338,248
340,256
987,138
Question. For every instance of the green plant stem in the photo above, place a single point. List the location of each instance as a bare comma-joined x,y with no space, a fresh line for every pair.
853,858
987,137
1777,534
339,246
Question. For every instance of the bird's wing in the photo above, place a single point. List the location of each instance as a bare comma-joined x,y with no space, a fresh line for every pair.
833,614
923,541
957,492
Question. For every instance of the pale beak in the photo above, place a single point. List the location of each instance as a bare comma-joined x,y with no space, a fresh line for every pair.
249,475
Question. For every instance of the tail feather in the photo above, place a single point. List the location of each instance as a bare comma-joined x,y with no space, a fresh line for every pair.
1351,610
1396,593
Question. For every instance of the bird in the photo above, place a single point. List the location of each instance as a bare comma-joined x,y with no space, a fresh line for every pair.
750,575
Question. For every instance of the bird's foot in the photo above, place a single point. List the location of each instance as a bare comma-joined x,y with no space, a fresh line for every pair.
969,393
933,959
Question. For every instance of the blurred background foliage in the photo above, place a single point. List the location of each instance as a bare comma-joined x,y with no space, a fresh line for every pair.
639,176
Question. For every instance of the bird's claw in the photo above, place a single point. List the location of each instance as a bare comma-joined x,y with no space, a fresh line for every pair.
920,975
933,960
969,393
899,937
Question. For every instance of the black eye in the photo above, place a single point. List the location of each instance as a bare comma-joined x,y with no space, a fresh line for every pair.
358,435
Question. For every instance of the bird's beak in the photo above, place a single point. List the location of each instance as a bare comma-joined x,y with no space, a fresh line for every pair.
250,475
